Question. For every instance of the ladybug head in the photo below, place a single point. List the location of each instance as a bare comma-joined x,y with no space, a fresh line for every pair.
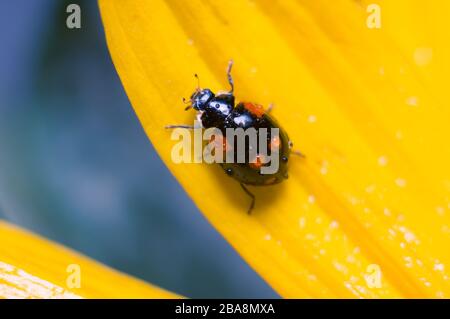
201,98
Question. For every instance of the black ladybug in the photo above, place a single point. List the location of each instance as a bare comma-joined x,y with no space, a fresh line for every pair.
219,111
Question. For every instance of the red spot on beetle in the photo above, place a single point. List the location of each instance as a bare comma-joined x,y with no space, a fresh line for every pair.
255,109
257,162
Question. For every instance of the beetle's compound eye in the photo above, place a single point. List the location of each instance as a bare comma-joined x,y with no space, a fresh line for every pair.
201,98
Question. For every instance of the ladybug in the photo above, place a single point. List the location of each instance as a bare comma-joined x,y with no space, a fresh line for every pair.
219,111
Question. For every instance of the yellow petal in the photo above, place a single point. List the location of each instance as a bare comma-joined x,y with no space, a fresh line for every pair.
32,267
374,187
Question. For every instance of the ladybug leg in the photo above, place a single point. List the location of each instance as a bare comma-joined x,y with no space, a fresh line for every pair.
189,127
189,106
252,205
296,152
230,79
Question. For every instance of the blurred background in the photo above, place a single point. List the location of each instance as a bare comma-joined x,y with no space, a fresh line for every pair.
77,168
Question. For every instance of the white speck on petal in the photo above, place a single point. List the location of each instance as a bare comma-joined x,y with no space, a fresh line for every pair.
440,210
311,199
412,101
408,263
348,285
355,279
340,267
370,188
267,237
302,222
324,168
382,160
334,224
254,70
354,201
312,277
423,56
400,182
312,118
368,224
387,211
6,267
190,42
310,237
439,267
399,135
409,237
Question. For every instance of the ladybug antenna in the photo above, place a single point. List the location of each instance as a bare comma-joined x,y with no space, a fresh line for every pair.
230,79
198,81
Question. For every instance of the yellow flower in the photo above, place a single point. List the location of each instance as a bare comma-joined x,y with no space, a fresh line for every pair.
32,267
367,213
368,107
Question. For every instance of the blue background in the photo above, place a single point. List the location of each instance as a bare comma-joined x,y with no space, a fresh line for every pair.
76,166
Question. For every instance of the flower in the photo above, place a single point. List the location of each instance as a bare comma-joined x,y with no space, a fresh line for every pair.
367,105
33,267
366,213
